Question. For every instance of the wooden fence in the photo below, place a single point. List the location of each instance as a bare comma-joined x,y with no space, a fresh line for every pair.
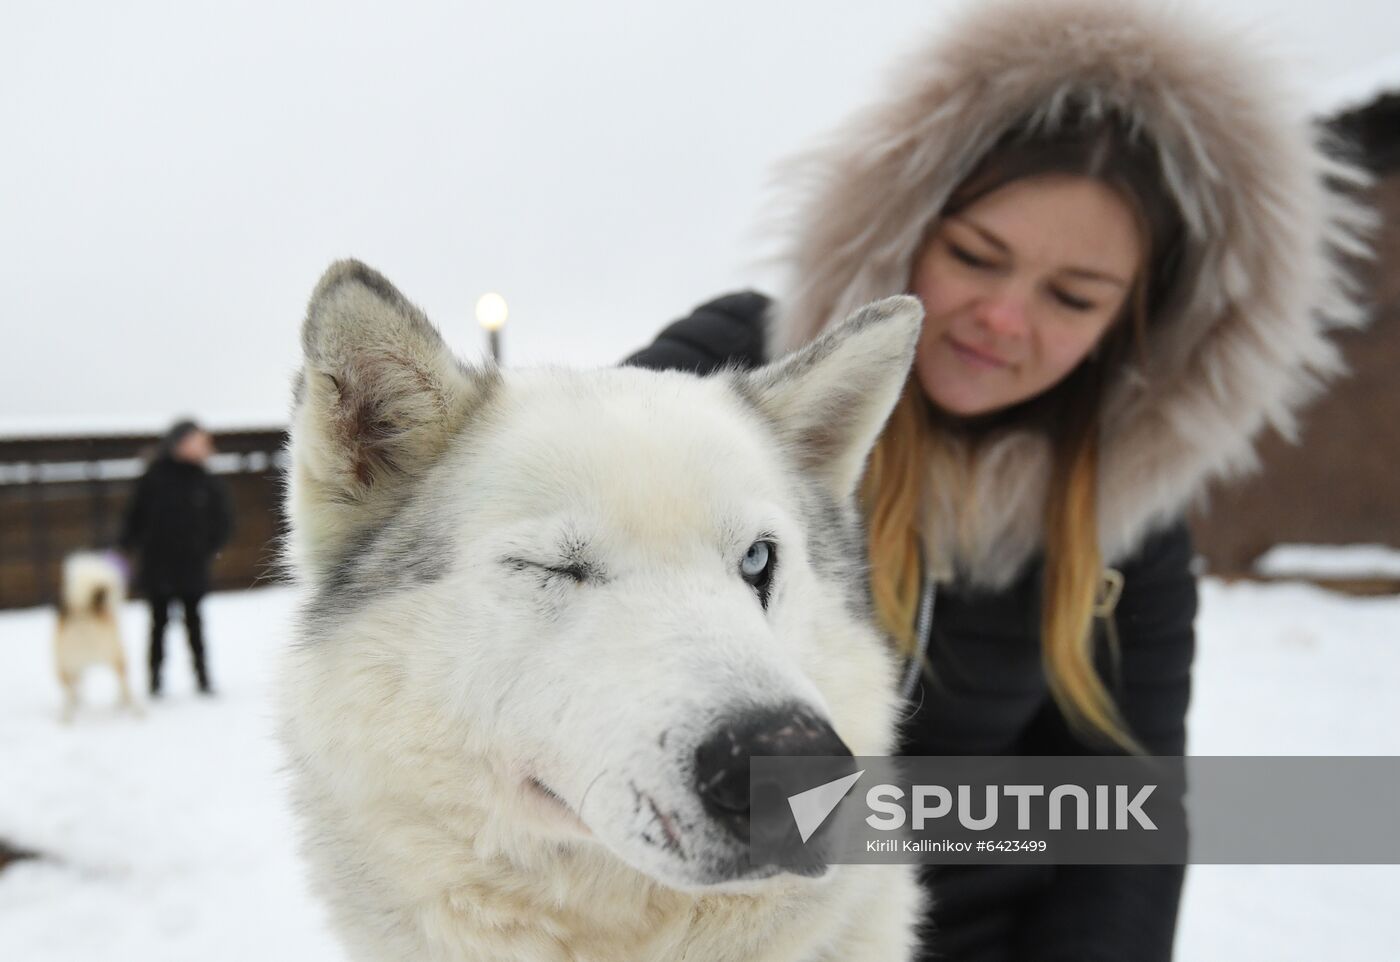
59,495
1338,485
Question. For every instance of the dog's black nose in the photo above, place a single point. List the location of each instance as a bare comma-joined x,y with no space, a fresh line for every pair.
722,760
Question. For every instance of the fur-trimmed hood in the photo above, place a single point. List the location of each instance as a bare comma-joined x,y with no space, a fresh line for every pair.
1246,343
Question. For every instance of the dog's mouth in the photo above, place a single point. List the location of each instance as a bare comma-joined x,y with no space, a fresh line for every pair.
726,871
550,804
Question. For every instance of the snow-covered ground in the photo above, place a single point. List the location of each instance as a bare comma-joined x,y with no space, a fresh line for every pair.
168,837
1329,561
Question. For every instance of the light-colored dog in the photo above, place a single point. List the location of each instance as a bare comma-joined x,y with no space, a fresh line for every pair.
87,634
550,614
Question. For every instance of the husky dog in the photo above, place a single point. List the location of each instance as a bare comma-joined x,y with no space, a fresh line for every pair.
87,634
550,615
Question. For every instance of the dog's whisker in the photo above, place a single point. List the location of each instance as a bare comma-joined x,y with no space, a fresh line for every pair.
584,800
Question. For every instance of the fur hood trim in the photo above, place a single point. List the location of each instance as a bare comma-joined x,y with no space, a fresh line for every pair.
1263,275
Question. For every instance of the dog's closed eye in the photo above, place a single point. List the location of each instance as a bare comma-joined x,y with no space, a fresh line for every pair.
577,571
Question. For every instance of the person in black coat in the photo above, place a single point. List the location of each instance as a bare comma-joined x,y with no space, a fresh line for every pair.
1074,190
175,524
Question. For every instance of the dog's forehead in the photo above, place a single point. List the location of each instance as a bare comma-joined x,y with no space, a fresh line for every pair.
643,440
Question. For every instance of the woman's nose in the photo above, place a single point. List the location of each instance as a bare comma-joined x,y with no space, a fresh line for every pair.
1004,314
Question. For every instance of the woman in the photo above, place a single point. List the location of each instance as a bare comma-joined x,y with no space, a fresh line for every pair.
177,521
1126,250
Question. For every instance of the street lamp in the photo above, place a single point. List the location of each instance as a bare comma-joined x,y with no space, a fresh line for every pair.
491,313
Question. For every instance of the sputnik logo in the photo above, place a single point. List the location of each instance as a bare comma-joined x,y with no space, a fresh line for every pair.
812,807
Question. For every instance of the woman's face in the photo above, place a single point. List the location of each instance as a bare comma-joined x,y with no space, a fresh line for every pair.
1018,289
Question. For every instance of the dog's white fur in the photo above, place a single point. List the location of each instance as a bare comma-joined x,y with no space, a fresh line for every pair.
87,633
491,759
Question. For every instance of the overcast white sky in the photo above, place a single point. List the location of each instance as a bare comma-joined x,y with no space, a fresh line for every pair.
176,175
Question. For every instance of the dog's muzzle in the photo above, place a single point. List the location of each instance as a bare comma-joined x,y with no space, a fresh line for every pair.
722,764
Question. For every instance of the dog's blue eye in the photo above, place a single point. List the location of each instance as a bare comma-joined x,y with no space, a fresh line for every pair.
755,560
757,568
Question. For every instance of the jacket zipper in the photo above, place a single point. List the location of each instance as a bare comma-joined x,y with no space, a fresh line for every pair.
923,627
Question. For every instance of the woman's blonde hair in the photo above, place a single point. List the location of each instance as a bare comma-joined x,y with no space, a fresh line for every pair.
915,443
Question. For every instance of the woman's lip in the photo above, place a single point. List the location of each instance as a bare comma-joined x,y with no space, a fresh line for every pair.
975,356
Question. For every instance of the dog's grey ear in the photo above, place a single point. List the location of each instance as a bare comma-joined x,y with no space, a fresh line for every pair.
831,399
377,399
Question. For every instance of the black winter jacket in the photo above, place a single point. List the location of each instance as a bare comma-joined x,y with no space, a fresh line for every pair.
991,698
176,522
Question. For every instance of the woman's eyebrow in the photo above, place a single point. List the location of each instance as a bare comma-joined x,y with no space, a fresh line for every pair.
986,235
1082,273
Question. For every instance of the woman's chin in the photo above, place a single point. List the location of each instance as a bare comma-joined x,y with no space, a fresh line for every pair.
959,400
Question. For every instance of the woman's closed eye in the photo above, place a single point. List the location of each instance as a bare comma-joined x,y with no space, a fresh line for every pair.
970,258
1070,301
